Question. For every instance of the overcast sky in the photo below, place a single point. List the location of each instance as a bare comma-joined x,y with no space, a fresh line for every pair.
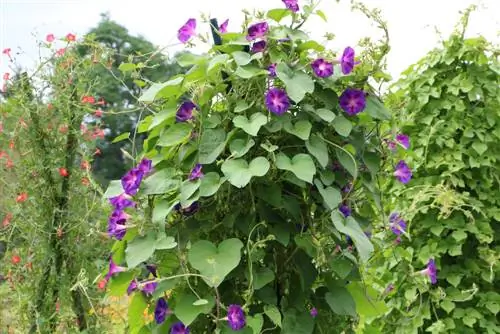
412,23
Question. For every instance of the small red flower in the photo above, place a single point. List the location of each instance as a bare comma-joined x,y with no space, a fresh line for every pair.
70,37
6,76
9,164
15,259
98,113
11,144
50,38
21,197
63,128
97,152
63,172
3,154
29,265
98,133
50,106
23,123
85,181
7,219
85,165
102,284
88,99
101,101
61,52
7,52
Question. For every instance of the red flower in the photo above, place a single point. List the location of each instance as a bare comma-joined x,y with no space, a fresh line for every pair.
3,154
50,106
98,133
63,128
101,101
29,265
9,163
11,144
60,52
63,172
7,219
21,197
6,52
15,259
70,37
102,284
85,181
98,113
85,165
50,38
97,152
6,76
23,123
88,99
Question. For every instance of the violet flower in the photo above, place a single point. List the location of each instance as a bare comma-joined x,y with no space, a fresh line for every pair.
352,101
223,27
132,286
403,140
259,46
403,172
430,271
149,287
185,111
145,166
345,210
132,181
292,5
272,70
187,31
314,312
179,328
277,101
257,30
397,224
196,173
189,211
116,224
347,60
122,201
161,310
113,269
391,145
322,68
236,317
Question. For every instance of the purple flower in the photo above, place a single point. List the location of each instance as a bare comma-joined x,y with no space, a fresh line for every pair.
161,310
145,166
347,188
277,101
347,60
196,173
352,101
179,328
391,145
187,31
152,269
397,224
314,312
223,27
272,70
257,30
121,202
236,317
149,287
189,211
403,172
389,288
259,46
116,224
322,68
430,271
132,181
292,5
132,286
345,209
403,140
185,111
113,269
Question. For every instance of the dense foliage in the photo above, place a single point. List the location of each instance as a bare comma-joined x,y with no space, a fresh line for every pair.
449,105
251,208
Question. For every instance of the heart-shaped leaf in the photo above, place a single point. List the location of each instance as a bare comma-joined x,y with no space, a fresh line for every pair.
302,165
239,172
341,301
317,147
273,313
297,82
239,147
325,114
212,143
348,162
165,242
175,134
301,129
140,249
215,263
241,106
252,125
342,125
187,309
351,227
241,58
210,183
376,109
331,195
255,322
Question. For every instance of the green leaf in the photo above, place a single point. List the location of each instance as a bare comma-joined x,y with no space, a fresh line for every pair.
136,312
331,195
161,117
127,67
175,134
297,83
239,172
301,129
376,109
186,310
249,71
210,183
140,249
255,323
342,125
212,144
241,58
114,189
278,14
161,182
372,162
252,125
459,235
240,147
365,298
302,165
165,242
165,90
350,227
297,323
217,61
119,283
262,277
341,301
241,106
341,266
318,149
273,313
188,189
161,210
325,114
215,262
187,59
479,147
347,162
121,137
322,15
447,305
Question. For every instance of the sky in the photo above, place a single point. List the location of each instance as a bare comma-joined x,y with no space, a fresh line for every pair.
415,26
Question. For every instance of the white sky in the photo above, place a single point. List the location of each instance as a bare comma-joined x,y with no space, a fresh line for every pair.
412,23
